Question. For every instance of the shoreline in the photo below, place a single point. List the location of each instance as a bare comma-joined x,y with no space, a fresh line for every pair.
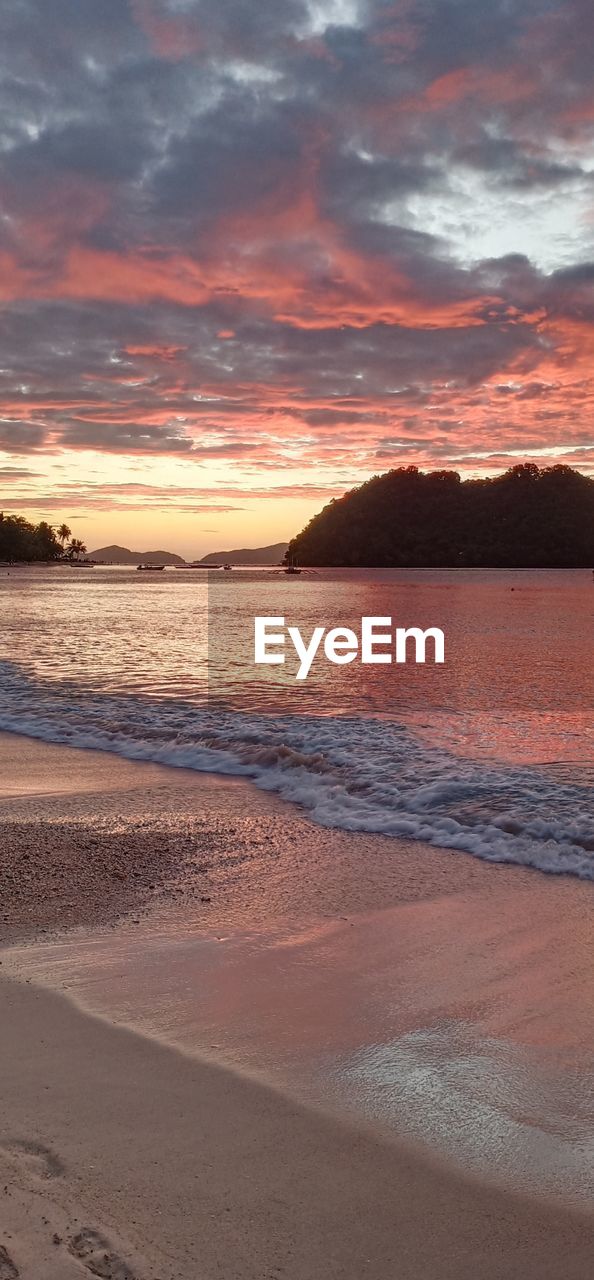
88,838
205,1171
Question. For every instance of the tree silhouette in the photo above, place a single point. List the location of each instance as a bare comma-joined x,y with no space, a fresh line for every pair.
22,541
527,517
63,533
76,549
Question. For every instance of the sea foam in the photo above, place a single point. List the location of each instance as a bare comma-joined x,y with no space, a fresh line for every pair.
352,773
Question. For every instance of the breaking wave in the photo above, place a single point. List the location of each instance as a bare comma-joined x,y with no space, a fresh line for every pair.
352,773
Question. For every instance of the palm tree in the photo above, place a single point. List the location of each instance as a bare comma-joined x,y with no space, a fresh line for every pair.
76,549
63,533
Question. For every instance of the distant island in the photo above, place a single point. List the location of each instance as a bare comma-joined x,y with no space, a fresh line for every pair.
121,555
248,555
526,518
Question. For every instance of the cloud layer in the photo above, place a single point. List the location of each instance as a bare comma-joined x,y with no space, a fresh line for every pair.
335,234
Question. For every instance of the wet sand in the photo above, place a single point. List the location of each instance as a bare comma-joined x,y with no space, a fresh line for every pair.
121,1156
87,837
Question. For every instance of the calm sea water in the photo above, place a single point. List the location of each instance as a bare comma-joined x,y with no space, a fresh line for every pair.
493,753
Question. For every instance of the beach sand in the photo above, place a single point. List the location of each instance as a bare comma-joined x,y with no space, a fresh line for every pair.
123,1157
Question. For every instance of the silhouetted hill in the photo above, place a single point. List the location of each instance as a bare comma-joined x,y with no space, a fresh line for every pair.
248,555
121,555
525,518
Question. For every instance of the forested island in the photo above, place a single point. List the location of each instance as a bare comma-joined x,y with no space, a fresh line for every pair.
526,518
23,542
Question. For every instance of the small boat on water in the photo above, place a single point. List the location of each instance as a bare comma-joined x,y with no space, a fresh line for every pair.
292,568
150,568
227,566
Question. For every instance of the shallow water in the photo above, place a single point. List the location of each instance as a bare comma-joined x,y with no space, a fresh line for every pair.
492,753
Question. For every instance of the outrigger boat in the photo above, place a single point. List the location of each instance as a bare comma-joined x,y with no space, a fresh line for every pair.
292,568
150,568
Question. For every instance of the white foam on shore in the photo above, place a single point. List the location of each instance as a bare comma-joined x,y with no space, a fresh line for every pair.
351,773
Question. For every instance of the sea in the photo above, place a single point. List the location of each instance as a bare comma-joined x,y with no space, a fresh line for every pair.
491,754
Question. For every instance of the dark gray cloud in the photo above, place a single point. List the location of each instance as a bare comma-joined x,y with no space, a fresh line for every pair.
21,437
229,160
509,163
121,437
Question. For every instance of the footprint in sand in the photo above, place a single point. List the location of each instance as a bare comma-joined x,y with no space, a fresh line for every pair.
95,1252
8,1271
34,1158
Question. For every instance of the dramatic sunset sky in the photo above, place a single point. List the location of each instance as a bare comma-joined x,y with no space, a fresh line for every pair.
254,251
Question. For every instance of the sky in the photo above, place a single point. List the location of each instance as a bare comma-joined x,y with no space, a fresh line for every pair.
253,252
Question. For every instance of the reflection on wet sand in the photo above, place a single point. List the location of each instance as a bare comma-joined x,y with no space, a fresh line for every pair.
462,1020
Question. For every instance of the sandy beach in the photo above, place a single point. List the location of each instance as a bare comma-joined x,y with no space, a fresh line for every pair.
124,1156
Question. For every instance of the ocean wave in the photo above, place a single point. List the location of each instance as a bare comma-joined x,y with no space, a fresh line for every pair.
347,772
